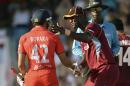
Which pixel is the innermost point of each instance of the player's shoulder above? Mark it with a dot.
(52, 36)
(109, 24)
(55, 37)
(90, 24)
(24, 36)
(128, 35)
(123, 36)
(93, 25)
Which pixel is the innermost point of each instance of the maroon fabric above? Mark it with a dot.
(5, 1)
(124, 67)
(100, 60)
(105, 55)
(107, 76)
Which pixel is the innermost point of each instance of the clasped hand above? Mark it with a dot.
(77, 71)
(57, 29)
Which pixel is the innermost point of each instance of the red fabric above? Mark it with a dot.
(41, 78)
(40, 45)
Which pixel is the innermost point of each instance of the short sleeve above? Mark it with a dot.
(21, 45)
(59, 46)
(76, 46)
(115, 42)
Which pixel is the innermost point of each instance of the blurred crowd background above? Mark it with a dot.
(15, 20)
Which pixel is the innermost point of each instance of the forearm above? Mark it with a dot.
(66, 61)
(82, 37)
(22, 69)
(21, 63)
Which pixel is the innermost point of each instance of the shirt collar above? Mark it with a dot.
(37, 28)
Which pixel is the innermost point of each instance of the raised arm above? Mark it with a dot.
(82, 37)
(77, 69)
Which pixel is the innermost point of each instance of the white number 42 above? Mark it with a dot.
(36, 56)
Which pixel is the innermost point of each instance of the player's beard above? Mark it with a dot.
(76, 26)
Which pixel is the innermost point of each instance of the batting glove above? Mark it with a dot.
(20, 79)
(77, 70)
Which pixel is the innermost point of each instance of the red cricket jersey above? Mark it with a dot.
(124, 60)
(97, 50)
(39, 45)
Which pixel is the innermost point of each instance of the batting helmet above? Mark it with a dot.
(40, 16)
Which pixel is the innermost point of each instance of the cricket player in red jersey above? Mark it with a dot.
(39, 46)
(124, 54)
(98, 54)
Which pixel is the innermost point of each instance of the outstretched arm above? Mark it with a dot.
(65, 61)
(72, 65)
(82, 37)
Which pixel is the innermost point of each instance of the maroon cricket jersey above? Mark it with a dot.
(97, 50)
(124, 60)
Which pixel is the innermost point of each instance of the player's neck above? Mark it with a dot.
(100, 21)
(120, 32)
(45, 25)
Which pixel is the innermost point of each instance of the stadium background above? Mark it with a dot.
(15, 21)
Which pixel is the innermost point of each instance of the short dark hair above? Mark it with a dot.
(119, 24)
(39, 16)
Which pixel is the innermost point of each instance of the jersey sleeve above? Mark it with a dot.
(94, 29)
(59, 46)
(76, 46)
(115, 42)
(21, 48)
